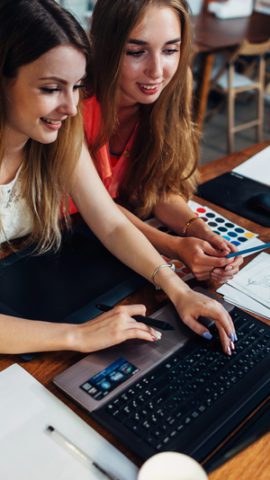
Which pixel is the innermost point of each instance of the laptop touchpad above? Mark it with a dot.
(136, 357)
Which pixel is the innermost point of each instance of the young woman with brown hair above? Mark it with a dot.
(139, 129)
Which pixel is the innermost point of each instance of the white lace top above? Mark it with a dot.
(15, 215)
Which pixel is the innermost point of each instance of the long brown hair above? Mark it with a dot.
(165, 153)
(28, 29)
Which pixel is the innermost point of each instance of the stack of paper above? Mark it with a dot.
(250, 288)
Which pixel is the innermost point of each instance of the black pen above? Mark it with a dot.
(151, 322)
(77, 452)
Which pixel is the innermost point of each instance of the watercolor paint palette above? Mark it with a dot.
(237, 235)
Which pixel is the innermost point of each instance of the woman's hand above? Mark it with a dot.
(192, 305)
(111, 328)
(219, 243)
(207, 259)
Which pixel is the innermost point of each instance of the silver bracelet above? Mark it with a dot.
(157, 269)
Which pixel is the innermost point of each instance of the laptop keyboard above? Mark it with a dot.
(165, 402)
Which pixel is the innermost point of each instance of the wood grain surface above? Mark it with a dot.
(251, 464)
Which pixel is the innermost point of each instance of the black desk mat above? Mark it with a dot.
(234, 192)
(65, 286)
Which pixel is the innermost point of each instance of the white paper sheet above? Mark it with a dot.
(240, 299)
(29, 453)
(237, 293)
(255, 281)
(257, 167)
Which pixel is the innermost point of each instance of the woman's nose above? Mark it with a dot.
(69, 105)
(154, 67)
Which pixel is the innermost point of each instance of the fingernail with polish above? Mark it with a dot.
(157, 335)
(229, 352)
(207, 335)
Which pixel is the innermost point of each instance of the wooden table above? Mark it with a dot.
(252, 463)
(212, 35)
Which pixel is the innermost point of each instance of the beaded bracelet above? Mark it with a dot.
(157, 269)
(188, 223)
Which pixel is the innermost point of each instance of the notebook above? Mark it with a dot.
(28, 452)
(65, 286)
(181, 393)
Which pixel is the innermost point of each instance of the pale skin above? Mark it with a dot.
(151, 58)
(43, 95)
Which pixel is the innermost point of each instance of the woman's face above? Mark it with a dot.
(44, 93)
(151, 57)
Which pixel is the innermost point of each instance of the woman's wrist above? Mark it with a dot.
(188, 224)
(198, 229)
(74, 338)
(171, 284)
(174, 245)
(158, 269)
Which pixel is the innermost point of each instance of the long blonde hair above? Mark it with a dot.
(165, 153)
(36, 27)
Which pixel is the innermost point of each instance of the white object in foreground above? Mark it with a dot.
(171, 466)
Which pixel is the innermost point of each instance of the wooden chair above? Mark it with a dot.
(230, 82)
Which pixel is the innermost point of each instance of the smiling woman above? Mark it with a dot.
(43, 63)
(43, 95)
(151, 59)
(139, 130)
(40, 47)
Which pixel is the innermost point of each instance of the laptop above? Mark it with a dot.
(179, 394)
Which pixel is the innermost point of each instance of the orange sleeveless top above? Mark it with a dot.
(111, 169)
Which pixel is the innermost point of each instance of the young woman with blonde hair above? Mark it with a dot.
(44, 59)
(139, 128)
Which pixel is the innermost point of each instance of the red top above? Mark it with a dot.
(111, 168)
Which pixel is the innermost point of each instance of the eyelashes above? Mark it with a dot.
(139, 53)
(51, 90)
(133, 53)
